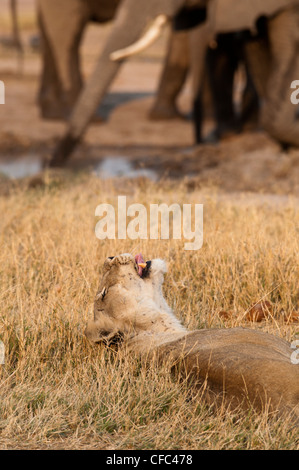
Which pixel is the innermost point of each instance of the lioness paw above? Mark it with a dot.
(124, 258)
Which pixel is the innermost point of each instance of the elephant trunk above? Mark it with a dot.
(131, 19)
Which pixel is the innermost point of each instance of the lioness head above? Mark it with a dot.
(128, 299)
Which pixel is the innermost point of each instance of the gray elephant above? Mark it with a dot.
(222, 61)
(274, 59)
(61, 80)
(62, 25)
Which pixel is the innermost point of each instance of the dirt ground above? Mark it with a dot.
(247, 162)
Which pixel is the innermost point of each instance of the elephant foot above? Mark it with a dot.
(161, 112)
(222, 132)
(211, 138)
(63, 151)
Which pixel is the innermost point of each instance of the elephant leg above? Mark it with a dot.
(222, 64)
(278, 113)
(249, 114)
(258, 59)
(50, 89)
(173, 77)
(63, 25)
(198, 41)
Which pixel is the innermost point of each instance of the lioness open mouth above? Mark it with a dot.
(142, 266)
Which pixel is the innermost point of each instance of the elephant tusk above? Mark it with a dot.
(145, 41)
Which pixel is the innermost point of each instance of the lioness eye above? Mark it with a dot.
(111, 257)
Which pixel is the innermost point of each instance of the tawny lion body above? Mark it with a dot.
(236, 365)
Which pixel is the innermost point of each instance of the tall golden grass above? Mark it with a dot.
(59, 391)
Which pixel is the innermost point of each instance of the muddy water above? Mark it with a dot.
(28, 165)
(116, 166)
(109, 167)
(119, 166)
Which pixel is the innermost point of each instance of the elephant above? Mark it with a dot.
(173, 77)
(273, 60)
(224, 57)
(222, 61)
(62, 25)
(61, 80)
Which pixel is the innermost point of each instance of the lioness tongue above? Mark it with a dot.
(140, 263)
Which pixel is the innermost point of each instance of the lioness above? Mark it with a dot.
(237, 365)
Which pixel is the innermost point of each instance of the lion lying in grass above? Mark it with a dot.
(238, 366)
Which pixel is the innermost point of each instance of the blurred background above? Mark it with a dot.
(124, 140)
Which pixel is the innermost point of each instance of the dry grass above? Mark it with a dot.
(59, 391)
